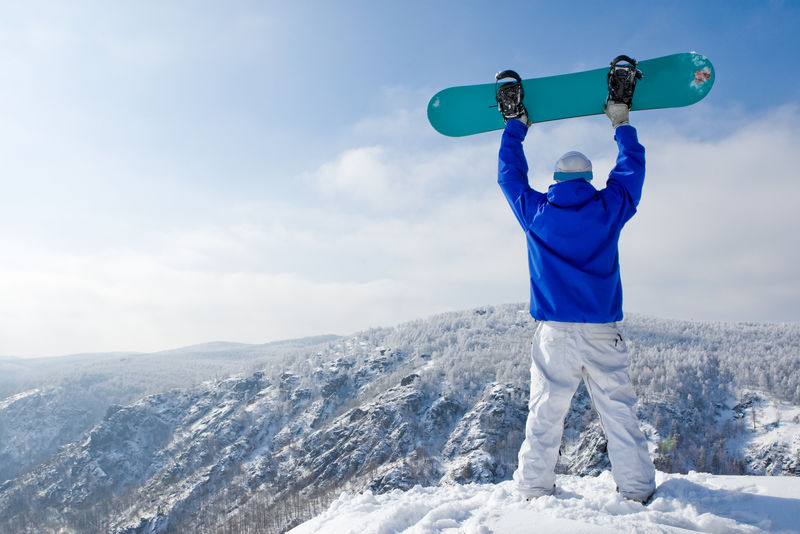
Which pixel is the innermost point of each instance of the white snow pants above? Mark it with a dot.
(562, 354)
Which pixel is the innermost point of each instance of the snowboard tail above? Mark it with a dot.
(671, 81)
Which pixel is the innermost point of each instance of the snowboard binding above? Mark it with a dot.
(510, 95)
(622, 79)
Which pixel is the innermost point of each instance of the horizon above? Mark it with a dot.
(336, 336)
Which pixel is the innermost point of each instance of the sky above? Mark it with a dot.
(173, 173)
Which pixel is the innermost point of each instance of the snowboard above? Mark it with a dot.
(667, 82)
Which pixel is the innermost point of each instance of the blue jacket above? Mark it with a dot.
(573, 231)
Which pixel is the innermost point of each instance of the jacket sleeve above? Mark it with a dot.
(627, 177)
(512, 174)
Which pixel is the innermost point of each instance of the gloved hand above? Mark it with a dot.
(617, 112)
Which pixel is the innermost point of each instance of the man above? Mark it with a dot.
(572, 233)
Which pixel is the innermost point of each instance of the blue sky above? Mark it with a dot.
(180, 172)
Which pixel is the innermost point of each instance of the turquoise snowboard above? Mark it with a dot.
(667, 82)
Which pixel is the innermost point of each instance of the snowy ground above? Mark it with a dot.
(683, 503)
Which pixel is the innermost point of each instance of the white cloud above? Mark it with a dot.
(361, 173)
(716, 233)
(136, 301)
(395, 180)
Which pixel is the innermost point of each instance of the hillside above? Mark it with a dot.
(46, 403)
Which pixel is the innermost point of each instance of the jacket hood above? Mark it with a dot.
(571, 194)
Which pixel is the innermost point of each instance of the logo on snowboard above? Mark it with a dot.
(701, 76)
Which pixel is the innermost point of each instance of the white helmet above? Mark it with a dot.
(571, 166)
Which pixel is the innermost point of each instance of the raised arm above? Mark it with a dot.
(627, 177)
(512, 173)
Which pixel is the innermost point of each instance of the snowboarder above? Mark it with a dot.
(572, 233)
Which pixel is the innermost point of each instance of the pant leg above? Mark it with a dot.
(555, 375)
(613, 396)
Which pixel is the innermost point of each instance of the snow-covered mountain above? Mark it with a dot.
(431, 402)
(49, 402)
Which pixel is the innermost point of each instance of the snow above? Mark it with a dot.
(8, 401)
(770, 435)
(780, 421)
(696, 502)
